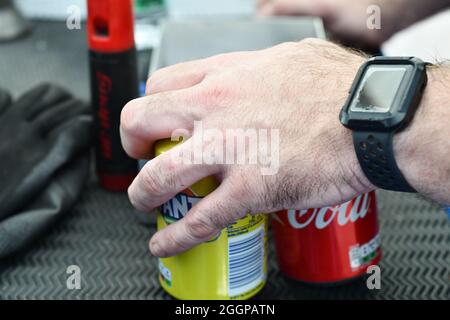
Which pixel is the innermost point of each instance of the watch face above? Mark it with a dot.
(378, 88)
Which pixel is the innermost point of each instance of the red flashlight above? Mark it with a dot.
(114, 82)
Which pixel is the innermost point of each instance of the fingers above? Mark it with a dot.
(59, 114)
(188, 74)
(78, 132)
(205, 220)
(165, 176)
(176, 77)
(39, 99)
(154, 117)
(291, 7)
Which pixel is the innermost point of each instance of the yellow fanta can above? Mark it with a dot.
(232, 265)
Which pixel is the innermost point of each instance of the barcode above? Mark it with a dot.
(245, 261)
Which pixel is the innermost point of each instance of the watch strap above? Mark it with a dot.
(375, 153)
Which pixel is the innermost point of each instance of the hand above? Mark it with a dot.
(347, 19)
(297, 88)
(46, 128)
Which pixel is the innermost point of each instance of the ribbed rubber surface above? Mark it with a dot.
(104, 238)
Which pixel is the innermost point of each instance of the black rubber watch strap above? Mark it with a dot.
(376, 157)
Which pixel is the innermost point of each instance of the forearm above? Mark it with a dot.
(423, 149)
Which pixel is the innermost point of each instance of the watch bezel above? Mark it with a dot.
(405, 104)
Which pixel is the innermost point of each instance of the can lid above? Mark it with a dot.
(165, 145)
(110, 25)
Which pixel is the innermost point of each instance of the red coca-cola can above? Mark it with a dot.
(330, 245)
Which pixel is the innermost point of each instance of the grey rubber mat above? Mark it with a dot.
(104, 238)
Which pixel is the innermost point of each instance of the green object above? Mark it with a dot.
(146, 5)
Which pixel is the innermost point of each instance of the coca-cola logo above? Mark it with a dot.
(321, 218)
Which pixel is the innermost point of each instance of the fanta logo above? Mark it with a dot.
(321, 218)
(177, 207)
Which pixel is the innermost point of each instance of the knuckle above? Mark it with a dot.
(128, 119)
(214, 94)
(152, 182)
(220, 58)
(161, 177)
(200, 227)
(174, 241)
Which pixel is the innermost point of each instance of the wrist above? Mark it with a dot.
(422, 150)
(353, 174)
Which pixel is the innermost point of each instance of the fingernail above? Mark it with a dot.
(155, 249)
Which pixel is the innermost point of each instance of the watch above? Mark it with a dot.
(382, 101)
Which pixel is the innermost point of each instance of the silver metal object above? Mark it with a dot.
(188, 40)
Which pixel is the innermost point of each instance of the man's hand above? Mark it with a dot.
(297, 88)
(347, 19)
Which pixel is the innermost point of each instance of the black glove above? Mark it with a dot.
(46, 135)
